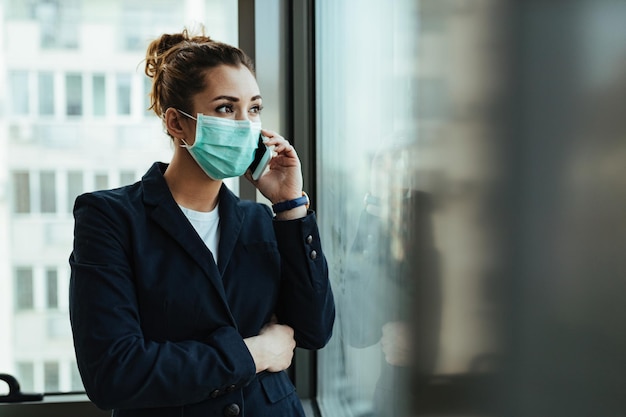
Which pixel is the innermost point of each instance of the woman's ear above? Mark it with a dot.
(175, 125)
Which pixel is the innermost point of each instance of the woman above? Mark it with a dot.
(185, 300)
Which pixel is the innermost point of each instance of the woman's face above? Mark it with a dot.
(231, 93)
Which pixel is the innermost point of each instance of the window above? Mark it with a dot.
(74, 188)
(20, 93)
(48, 191)
(99, 95)
(366, 96)
(25, 295)
(74, 94)
(52, 287)
(58, 22)
(127, 177)
(21, 192)
(51, 376)
(123, 94)
(26, 376)
(46, 94)
(101, 181)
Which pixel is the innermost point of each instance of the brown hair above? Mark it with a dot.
(177, 64)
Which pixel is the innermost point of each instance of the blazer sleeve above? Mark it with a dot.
(306, 300)
(119, 367)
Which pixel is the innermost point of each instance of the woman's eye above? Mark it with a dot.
(256, 109)
(226, 108)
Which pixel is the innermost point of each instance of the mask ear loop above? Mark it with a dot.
(185, 144)
(186, 114)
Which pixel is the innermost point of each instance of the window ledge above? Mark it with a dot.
(70, 405)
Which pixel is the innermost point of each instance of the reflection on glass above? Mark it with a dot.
(472, 192)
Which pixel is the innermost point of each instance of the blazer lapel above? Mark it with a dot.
(231, 222)
(168, 215)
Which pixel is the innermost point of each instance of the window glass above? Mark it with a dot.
(99, 95)
(24, 297)
(127, 177)
(46, 93)
(74, 94)
(79, 64)
(21, 192)
(20, 93)
(74, 187)
(26, 376)
(471, 196)
(51, 376)
(123, 93)
(52, 287)
(101, 181)
(47, 188)
(374, 222)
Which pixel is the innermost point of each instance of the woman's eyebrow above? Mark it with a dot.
(235, 99)
(229, 98)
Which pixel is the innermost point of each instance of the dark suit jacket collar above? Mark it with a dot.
(163, 209)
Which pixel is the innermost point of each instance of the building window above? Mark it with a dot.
(46, 93)
(76, 382)
(127, 177)
(26, 376)
(123, 83)
(21, 192)
(74, 188)
(24, 291)
(52, 287)
(51, 376)
(74, 94)
(47, 190)
(101, 181)
(59, 23)
(20, 93)
(99, 95)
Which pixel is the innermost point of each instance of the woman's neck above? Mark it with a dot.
(189, 185)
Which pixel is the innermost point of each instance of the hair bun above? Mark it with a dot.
(158, 48)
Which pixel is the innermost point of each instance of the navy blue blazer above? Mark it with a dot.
(158, 326)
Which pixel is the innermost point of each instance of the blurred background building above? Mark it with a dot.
(73, 119)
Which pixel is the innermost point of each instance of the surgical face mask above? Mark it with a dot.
(224, 148)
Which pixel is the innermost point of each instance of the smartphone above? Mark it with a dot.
(262, 157)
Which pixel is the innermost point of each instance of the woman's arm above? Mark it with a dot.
(120, 368)
(306, 300)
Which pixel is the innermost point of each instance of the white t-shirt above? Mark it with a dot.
(207, 226)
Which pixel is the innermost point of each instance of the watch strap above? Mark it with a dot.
(291, 204)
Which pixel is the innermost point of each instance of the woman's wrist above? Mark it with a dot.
(293, 208)
(295, 213)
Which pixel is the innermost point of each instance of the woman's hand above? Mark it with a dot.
(272, 349)
(283, 181)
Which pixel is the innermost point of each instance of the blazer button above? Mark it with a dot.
(214, 393)
(232, 410)
(309, 239)
(313, 254)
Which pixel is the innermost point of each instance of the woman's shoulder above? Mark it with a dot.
(111, 199)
